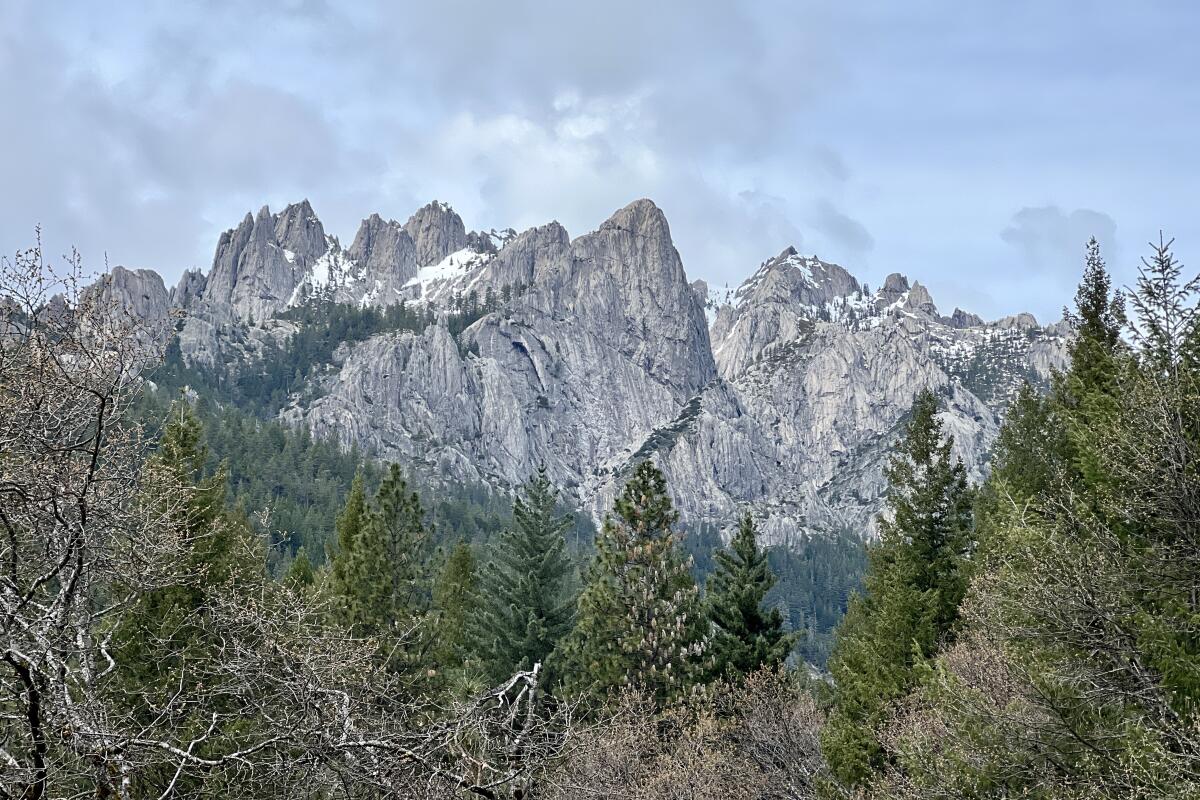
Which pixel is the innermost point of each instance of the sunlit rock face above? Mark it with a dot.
(781, 396)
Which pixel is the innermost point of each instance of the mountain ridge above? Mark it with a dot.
(780, 397)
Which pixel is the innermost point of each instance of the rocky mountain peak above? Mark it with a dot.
(628, 273)
(920, 301)
(189, 289)
(962, 319)
(642, 217)
(141, 292)
(436, 231)
(600, 354)
(798, 279)
(384, 249)
(894, 287)
(258, 265)
(1020, 322)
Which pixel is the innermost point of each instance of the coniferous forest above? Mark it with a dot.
(199, 601)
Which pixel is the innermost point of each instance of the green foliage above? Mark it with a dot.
(455, 600)
(526, 607)
(817, 577)
(745, 636)
(348, 531)
(640, 619)
(167, 624)
(916, 579)
(300, 574)
(299, 480)
(1079, 673)
(166, 641)
(1086, 396)
(380, 573)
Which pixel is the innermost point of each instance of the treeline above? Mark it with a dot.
(293, 484)
(1034, 636)
(1037, 636)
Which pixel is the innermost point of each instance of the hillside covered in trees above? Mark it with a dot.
(197, 601)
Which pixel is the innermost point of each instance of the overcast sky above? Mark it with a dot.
(972, 146)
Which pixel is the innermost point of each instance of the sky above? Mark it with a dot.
(972, 146)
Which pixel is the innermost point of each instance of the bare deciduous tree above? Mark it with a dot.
(751, 740)
(285, 705)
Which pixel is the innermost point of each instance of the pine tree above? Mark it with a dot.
(916, 578)
(219, 547)
(380, 576)
(641, 622)
(455, 599)
(347, 532)
(1080, 675)
(166, 640)
(525, 607)
(745, 637)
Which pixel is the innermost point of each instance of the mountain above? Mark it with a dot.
(781, 397)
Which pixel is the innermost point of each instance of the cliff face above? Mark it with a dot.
(781, 397)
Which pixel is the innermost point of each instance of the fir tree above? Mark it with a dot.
(166, 640)
(380, 574)
(347, 532)
(641, 622)
(1085, 397)
(745, 637)
(217, 546)
(454, 602)
(915, 581)
(525, 608)
(1087, 602)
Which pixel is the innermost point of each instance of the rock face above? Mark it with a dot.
(259, 263)
(140, 292)
(387, 258)
(781, 397)
(606, 344)
(436, 232)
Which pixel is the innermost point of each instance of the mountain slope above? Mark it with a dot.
(588, 354)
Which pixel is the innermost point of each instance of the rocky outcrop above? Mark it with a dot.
(384, 248)
(782, 397)
(781, 302)
(259, 264)
(436, 232)
(385, 260)
(961, 319)
(139, 292)
(189, 290)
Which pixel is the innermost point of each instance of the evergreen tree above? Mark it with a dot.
(217, 546)
(1085, 397)
(300, 575)
(916, 579)
(347, 532)
(525, 607)
(166, 640)
(380, 574)
(455, 599)
(640, 622)
(1080, 674)
(745, 637)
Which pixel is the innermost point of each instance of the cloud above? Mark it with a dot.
(872, 133)
(841, 229)
(1050, 238)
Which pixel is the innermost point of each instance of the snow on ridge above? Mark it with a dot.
(333, 270)
(450, 270)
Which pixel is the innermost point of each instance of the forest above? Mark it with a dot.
(198, 602)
